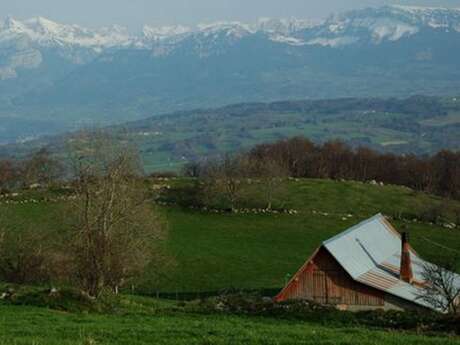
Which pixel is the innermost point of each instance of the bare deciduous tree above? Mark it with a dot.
(7, 174)
(226, 178)
(272, 176)
(115, 231)
(441, 286)
(40, 168)
(192, 169)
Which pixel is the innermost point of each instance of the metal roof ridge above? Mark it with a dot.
(375, 286)
(378, 216)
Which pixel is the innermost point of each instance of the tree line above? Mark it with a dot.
(38, 168)
(301, 158)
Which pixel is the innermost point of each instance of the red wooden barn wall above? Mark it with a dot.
(324, 281)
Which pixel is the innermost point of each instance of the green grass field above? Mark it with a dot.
(149, 321)
(216, 251)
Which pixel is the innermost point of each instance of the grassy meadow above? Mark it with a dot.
(217, 251)
(162, 323)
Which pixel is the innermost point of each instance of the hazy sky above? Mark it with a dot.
(134, 13)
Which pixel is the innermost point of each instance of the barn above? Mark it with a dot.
(369, 266)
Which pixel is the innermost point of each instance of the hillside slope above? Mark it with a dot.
(215, 251)
(421, 125)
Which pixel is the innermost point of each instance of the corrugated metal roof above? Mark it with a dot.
(371, 252)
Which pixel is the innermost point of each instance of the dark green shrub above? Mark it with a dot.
(432, 214)
(69, 300)
(255, 305)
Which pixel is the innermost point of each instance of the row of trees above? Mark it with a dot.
(38, 168)
(299, 157)
(238, 181)
(108, 231)
(255, 178)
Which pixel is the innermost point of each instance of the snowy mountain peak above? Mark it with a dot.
(43, 26)
(422, 9)
(284, 26)
(387, 23)
(234, 29)
(164, 32)
(45, 32)
(230, 28)
(12, 24)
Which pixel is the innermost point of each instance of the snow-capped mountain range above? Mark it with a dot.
(43, 32)
(385, 51)
(390, 22)
(47, 33)
(21, 42)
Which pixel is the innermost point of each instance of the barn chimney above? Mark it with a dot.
(406, 264)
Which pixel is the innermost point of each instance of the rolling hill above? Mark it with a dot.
(421, 125)
(215, 251)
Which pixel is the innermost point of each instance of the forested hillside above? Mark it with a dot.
(419, 125)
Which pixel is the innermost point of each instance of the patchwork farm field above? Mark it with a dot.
(422, 125)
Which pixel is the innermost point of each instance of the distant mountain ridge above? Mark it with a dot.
(389, 22)
(66, 75)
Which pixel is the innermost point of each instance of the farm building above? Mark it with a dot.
(369, 266)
